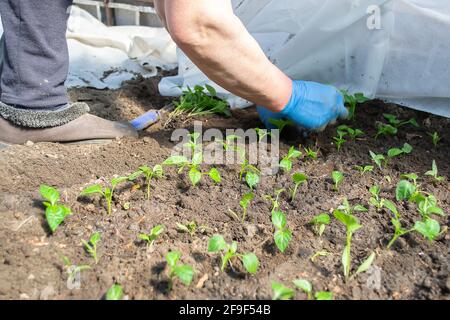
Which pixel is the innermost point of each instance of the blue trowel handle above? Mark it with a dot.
(146, 120)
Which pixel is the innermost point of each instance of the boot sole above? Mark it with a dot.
(4, 145)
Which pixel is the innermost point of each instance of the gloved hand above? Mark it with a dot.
(312, 107)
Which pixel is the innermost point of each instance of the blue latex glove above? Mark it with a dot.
(312, 107)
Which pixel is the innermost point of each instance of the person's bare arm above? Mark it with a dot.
(215, 39)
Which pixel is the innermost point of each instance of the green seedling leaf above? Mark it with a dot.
(195, 176)
(114, 293)
(405, 190)
(278, 219)
(305, 286)
(364, 169)
(352, 225)
(172, 258)
(298, 178)
(320, 221)
(215, 175)
(92, 190)
(311, 153)
(217, 243)
(338, 177)
(324, 295)
(390, 206)
(435, 138)
(434, 172)
(366, 264)
(385, 129)
(429, 228)
(116, 181)
(250, 262)
(286, 162)
(282, 238)
(280, 292)
(252, 179)
(155, 232)
(185, 273)
(281, 123)
(377, 158)
(321, 253)
(91, 246)
(282, 235)
(55, 215)
(175, 161)
(211, 90)
(50, 194)
(360, 208)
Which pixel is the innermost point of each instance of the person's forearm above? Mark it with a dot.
(217, 42)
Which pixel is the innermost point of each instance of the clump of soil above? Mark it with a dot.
(30, 258)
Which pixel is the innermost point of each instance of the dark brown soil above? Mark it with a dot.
(30, 258)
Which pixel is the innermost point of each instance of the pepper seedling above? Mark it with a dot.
(106, 192)
(156, 172)
(282, 235)
(435, 138)
(320, 222)
(324, 296)
(434, 172)
(307, 287)
(55, 213)
(352, 133)
(281, 124)
(385, 129)
(395, 152)
(191, 228)
(199, 101)
(251, 173)
(347, 208)
(364, 169)
(286, 162)
(337, 177)
(244, 203)
(393, 121)
(229, 251)
(298, 178)
(352, 225)
(378, 159)
(428, 206)
(194, 173)
(276, 201)
(375, 200)
(115, 292)
(184, 272)
(281, 292)
(352, 101)
(405, 190)
(73, 271)
(339, 140)
(429, 228)
(321, 253)
(91, 246)
(310, 153)
(151, 237)
(395, 220)
(262, 134)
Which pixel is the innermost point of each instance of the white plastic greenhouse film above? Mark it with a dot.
(397, 50)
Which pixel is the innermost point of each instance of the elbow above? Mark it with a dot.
(194, 31)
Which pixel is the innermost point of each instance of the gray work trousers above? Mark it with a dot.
(35, 54)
